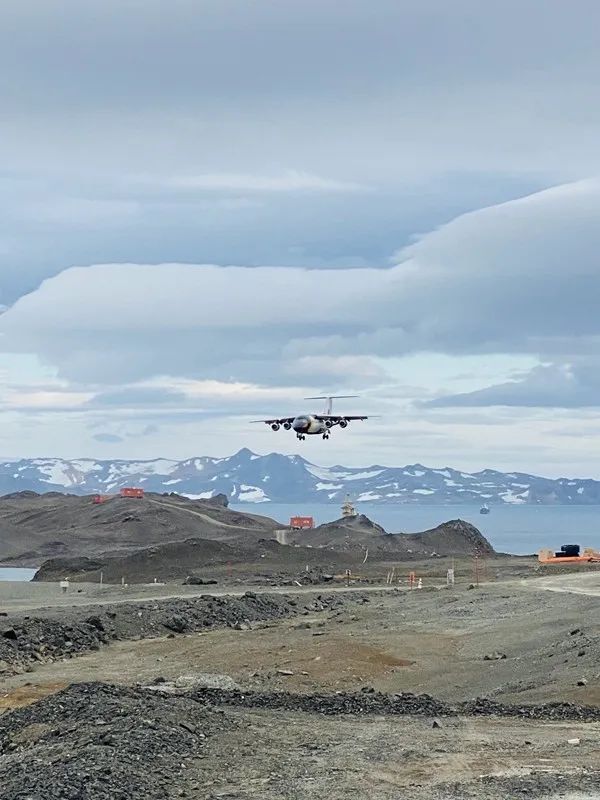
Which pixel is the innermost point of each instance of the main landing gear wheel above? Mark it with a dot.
(325, 436)
(300, 437)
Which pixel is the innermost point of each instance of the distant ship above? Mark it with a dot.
(485, 509)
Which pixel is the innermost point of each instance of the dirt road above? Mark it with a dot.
(193, 512)
(21, 596)
(588, 584)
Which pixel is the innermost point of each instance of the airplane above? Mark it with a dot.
(313, 424)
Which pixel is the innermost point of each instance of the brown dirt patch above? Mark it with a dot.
(26, 695)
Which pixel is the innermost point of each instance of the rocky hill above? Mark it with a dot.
(455, 538)
(332, 547)
(34, 527)
(203, 559)
(249, 478)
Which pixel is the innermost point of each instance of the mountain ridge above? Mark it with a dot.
(246, 477)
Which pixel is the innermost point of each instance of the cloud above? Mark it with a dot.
(185, 399)
(547, 386)
(263, 120)
(41, 399)
(519, 277)
(137, 397)
(79, 212)
(352, 370)
(108, 438)
(289, 181)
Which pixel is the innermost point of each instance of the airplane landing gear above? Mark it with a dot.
(300, 437)
(325, 436)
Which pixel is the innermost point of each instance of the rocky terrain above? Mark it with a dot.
(309, 684)
(104, 742)
(444, 695)
(249, 478)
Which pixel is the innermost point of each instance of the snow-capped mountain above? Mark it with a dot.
(249, 478)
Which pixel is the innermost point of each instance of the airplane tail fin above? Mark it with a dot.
(331, 398)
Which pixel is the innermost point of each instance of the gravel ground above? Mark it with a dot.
(101, 742)
(281, 714)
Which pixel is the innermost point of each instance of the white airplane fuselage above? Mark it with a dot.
(308, 425)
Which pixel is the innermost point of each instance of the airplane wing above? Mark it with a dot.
(337, 417)
(275, 421)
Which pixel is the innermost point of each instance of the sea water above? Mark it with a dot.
(518, 529)
(16, 573)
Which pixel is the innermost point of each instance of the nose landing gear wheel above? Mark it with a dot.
(325, 436)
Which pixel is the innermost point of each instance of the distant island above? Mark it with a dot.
(246, 477)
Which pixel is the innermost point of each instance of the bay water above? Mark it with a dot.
(16, 573)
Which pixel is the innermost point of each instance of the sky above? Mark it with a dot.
(213, 209)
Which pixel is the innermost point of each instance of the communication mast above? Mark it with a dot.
(348, 509)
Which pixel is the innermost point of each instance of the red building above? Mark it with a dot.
(299, 523)
(129, 491)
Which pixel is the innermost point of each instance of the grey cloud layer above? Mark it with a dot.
(184, 49)
(512, 278)
(567, 385)
(314, 138)
(437, 107)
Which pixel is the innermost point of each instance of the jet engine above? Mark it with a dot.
(275, 426)
(287, 425)
(328, 423)
(343, 423)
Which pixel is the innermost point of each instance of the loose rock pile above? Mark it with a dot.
(537, 784)
(101, 742)
(371, 702)
(26, 640)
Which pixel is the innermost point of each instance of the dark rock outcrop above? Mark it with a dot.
(453, 538)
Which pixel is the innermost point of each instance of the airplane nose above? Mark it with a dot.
(299, 424)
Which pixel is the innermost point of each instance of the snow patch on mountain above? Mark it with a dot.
(510, 497)
(252, 494)
(160, 466)
(361, 476)
(367, 497)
